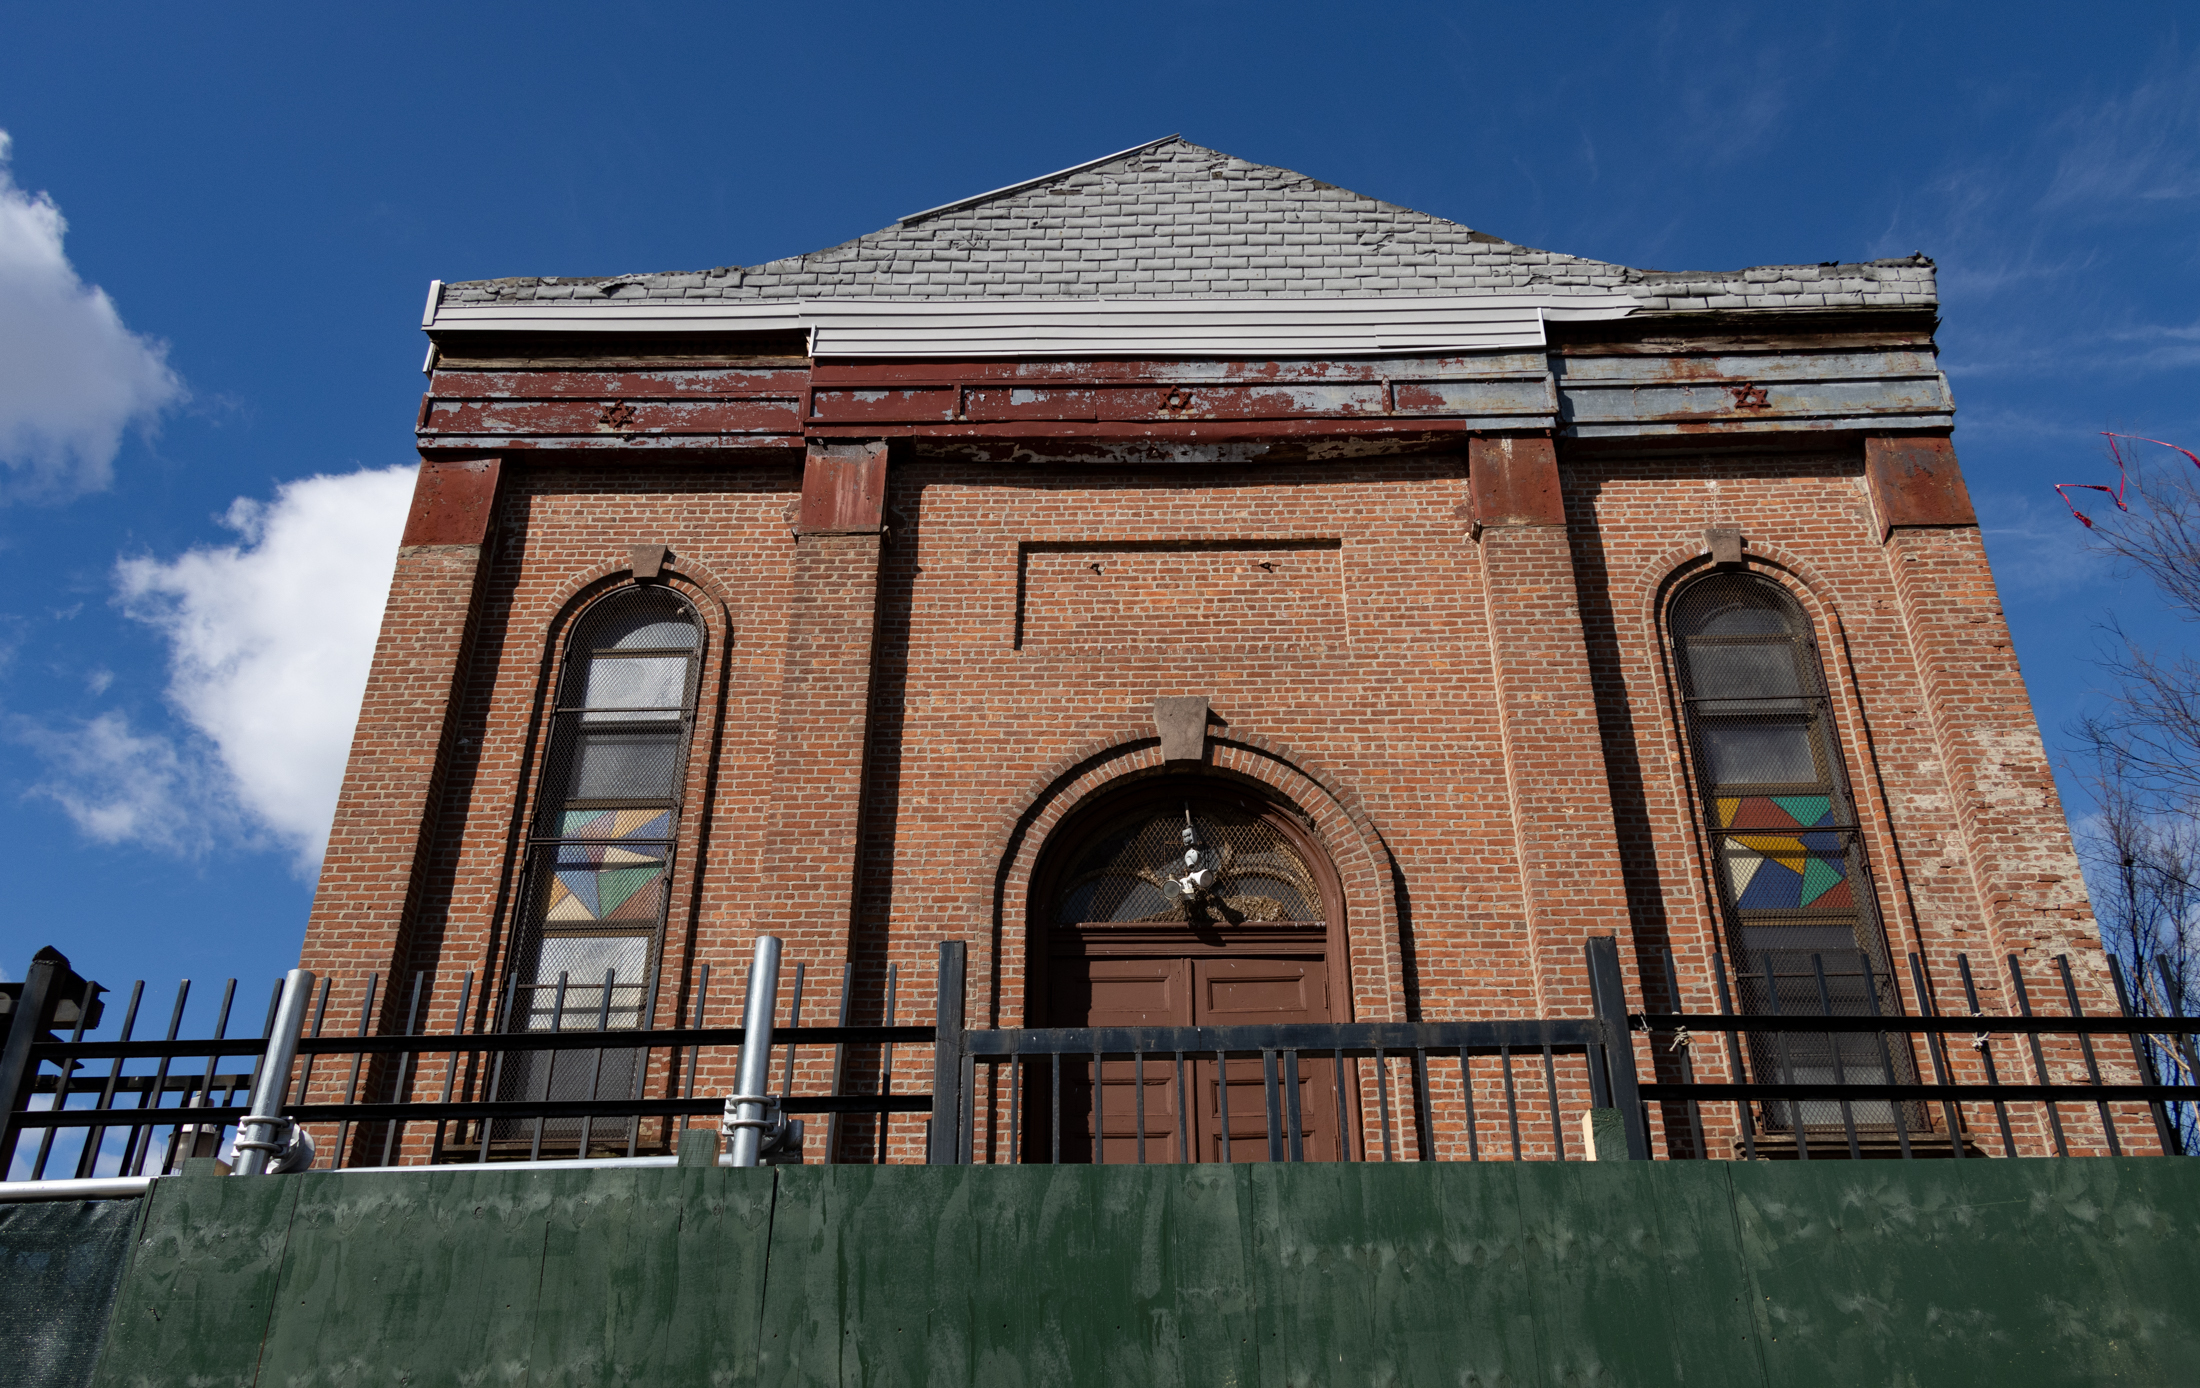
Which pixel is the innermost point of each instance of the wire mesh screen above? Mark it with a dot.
(577, 983)
(1786, 850)
(1133, 867)
(620, 731)
(599, 859)
(585, 983)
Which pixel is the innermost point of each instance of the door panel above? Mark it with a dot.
(1249, 1111)
(1248, 992)
(1116, 993)
(1243, 992)
(1207, 991)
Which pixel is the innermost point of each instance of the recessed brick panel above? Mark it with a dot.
(1190, 597)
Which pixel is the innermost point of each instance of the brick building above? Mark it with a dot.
(1447, 602)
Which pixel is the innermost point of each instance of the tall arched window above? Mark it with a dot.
(1801, 920)
(599, 848)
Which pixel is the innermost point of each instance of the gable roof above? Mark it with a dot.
(1171, 219)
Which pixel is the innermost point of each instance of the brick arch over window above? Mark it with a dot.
(555, 611)
(1334, 815)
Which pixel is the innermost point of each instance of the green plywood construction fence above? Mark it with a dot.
(2031, 1272)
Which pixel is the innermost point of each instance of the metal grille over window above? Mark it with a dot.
(1802, 921)
(1148, 865)
(600, 853)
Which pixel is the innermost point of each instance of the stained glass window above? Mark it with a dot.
(599, 850)
(1801, 922)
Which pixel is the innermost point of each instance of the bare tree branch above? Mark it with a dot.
(2138, 760)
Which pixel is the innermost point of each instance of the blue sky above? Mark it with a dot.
(263, 193)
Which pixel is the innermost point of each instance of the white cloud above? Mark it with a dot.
(119, 785)
(269, 641)
(72, 377)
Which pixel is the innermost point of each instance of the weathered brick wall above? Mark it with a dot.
(1807, 523)
(1481, 729)
(1560, 805)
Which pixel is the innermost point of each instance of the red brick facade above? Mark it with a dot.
(1480, 724)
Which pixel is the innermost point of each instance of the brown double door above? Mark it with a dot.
(1184, 1113)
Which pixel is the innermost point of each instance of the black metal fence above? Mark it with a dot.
(134, 1105)
(1800, 1084)
(1846, 1083)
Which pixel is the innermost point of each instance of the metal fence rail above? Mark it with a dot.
(1001, 1067)
(1035, 1059)
(185, 1093)
(120, 1105)
(1769, 1098)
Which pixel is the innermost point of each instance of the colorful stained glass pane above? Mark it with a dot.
(1807, 810)
(1774, 811)
(626, 891)
(1773, 887)
(1773, 872)
(615, 887)
(1741, 866)
(643, 824)
(580, 888)
(564, 906)
(616, 824)
(1819, 878)
(1783, 849)
(588, 824)
(1759, 812)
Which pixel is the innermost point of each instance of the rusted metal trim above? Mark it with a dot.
(1514, 482)
(453, 501)
(465, 445)
(1206, 431)
(1915, 482)
(843, 489)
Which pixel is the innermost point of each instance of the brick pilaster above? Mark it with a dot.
(2016, 843)
(1565, 842)
(809, 860)
(381, 843)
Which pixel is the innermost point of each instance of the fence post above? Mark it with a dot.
(752, 1080)
(2143, 1052)
(944, 1146)
(257, 1149)
(48, 967)
(1608, 995)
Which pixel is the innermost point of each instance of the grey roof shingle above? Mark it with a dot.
(1172, 219)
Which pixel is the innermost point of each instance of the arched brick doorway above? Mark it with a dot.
(1120, 938)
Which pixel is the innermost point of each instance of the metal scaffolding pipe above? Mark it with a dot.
(751, 1098)
(263, 1133)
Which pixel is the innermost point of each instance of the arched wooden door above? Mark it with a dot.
(1120, 939)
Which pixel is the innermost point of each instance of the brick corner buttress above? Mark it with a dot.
(372, 874)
